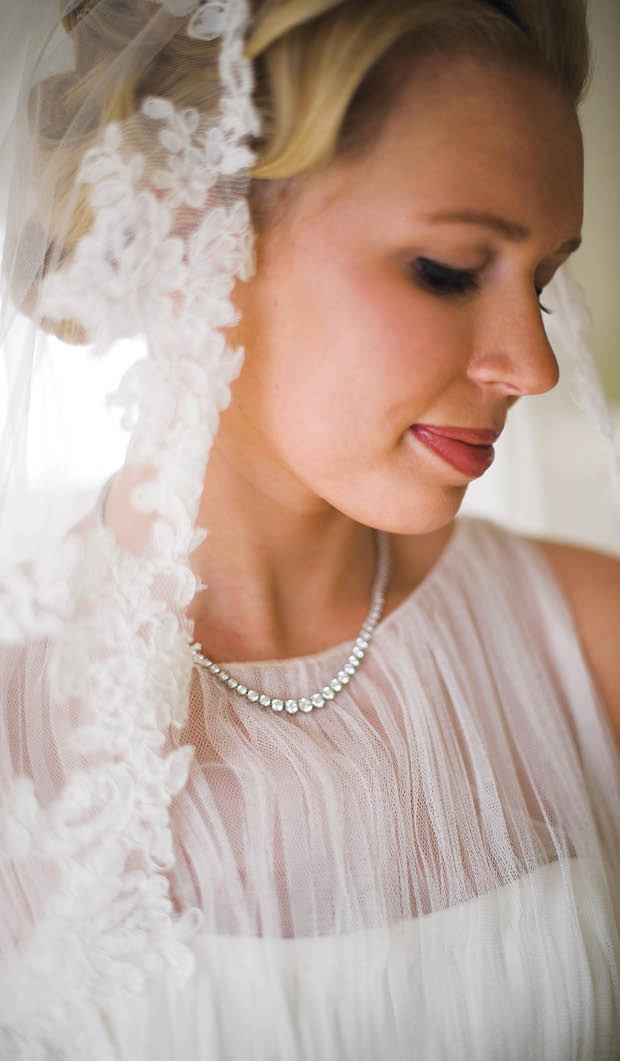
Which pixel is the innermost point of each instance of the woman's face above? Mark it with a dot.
(395, 306)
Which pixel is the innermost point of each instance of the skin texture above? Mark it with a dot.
(591, 583)
(347, 347)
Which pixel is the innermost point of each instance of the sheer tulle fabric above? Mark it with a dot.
(429, 863)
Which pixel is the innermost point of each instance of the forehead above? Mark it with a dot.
(490, 138)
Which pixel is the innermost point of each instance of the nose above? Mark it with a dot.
(512, 350)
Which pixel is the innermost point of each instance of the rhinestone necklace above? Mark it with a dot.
(344, 675)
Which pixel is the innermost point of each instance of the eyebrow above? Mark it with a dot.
(510, 230)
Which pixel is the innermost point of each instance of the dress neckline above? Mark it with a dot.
(423, 587)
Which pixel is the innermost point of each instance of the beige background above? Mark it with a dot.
(597, 263)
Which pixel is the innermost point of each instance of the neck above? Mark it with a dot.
(286, 574)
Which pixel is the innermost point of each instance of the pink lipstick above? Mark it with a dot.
(468, 450)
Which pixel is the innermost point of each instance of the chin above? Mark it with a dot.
(422, 512)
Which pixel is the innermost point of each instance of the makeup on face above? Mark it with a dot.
(468, 450)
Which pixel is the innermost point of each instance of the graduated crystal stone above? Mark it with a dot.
(344, 676)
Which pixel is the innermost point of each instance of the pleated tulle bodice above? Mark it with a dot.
(428, 866)
(462, 757)
(524, 971)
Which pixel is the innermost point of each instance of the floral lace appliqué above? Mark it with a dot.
(170, 236)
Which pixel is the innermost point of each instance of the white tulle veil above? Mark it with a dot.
(122, 242)
(147, 293)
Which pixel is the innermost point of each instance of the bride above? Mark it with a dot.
(338, 778)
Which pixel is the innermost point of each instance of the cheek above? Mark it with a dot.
(340, 347)
(392, 346)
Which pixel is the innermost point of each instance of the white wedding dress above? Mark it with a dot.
(425, 868)
(428, 867)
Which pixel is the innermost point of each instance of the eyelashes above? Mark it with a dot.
(539, 292)
(442, 279)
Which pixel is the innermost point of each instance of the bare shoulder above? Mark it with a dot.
(591, 584)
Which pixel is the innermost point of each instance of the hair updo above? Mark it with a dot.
(326, 70)
(326, 74)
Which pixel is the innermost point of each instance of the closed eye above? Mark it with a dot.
(442, 279)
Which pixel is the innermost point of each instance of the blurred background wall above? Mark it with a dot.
(597, 263)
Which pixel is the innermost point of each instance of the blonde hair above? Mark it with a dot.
(326, 72)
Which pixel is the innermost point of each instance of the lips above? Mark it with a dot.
(468, 450)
